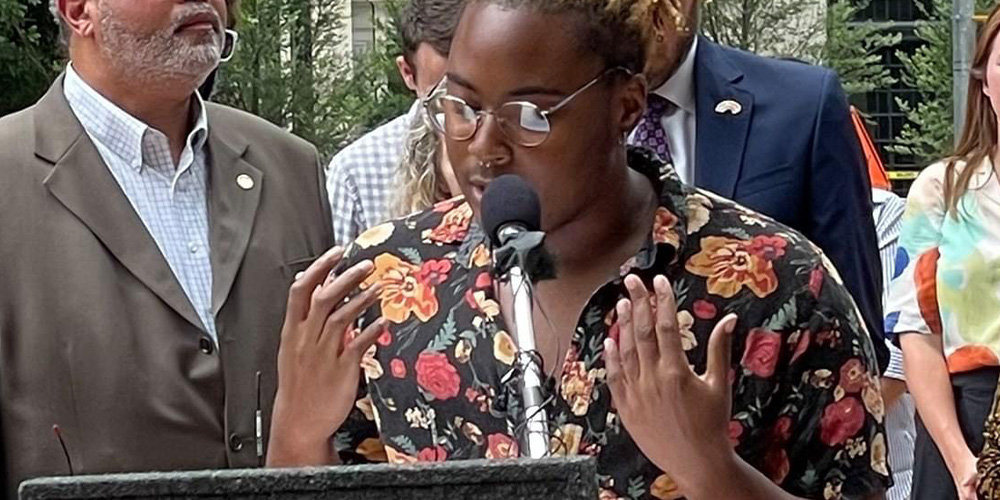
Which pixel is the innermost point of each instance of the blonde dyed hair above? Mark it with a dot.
(420, 183)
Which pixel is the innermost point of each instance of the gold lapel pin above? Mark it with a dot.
(245, 182)
(728, 106)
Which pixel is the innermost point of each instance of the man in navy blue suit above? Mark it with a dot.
(775, 136)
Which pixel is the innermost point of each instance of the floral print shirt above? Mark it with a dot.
(948, 268)
(440, 384)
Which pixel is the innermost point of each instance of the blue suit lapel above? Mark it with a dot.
(720, 137)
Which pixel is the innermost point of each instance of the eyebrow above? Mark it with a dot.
(520, 92)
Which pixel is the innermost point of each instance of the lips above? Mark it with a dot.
(202, 20)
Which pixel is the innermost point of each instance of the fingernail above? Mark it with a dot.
(299, 275)
(660, 283)
(623, 310)
(732, 319)
(333, 252)
(609, 345)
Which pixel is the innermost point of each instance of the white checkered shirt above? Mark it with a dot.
(362, 177)
(170, 199)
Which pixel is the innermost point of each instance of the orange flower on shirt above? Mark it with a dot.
(453, 227)
(407, 288)
(731, 264)
(665, 488)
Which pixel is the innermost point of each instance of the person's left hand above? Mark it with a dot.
(678, 419)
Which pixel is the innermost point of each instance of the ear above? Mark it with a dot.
(80, 16)
(658, 18)
(632, 99)
(408, 73)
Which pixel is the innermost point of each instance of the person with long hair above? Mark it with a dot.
(425, 174)
(945, 300)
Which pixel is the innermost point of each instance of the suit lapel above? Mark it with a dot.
(83, 184)
(721, 137)
(234, 196)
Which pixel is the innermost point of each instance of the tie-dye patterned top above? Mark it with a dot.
(948, 268)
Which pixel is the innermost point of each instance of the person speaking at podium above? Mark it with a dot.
(698, 349)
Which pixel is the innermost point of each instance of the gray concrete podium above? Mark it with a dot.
(524, 479)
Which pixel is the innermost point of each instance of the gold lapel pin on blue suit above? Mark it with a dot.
(729, 106)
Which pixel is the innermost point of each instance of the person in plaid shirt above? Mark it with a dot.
(362, 177)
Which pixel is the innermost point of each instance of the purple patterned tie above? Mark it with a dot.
(650, 133)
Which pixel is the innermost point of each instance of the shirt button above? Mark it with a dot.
(194, 247)
(235, 442)
(206, 345)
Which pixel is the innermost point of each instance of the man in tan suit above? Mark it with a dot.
(147, 243)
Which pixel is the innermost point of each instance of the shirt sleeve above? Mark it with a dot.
(830, 425)
(345, 201)
(912, 305)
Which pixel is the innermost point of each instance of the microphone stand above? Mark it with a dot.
(536, 420)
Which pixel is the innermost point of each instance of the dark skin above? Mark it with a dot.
(674, 24)
(591, 200)
(597, 213)
(579, 171)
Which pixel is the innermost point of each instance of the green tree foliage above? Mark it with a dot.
(928, 133)
(293, 68)
(29, 52)
(772, 27)
(854, 48)
(795, 28)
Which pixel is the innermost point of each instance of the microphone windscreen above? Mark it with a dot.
(510, 199)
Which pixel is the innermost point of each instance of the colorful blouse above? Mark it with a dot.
(441, 383)
(948, 268)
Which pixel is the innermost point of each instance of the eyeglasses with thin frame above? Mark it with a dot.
(523, 122)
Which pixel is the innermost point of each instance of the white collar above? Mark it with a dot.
(679, 88)
(115, 128)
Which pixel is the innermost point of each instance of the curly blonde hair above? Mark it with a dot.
(420, 183)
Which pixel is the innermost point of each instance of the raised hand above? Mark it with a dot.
(677, 418)
(319, 360)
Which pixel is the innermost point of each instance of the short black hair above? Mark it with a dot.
(617, 31)
(429, 21)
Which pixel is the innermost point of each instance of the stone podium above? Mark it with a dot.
(524, 479)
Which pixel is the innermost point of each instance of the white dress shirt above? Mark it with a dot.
(170, 199)
(680, 124)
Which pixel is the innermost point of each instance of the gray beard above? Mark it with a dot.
(162, 57)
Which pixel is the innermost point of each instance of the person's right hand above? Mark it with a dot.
(318, 363)
(966, 477)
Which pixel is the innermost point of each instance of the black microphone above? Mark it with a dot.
(512, 215)
(510, 207)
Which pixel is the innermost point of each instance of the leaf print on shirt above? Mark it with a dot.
(730, 265)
